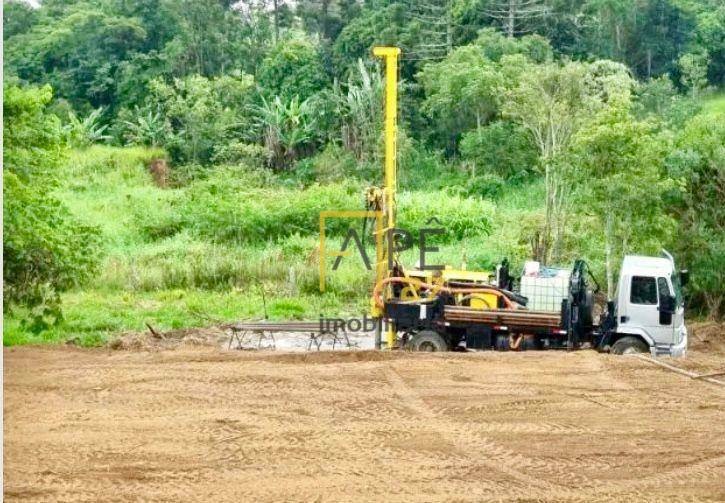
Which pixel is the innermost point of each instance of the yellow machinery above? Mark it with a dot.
(480, 300)
(384, 201)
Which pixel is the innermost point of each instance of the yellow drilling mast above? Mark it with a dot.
(383, 201)
(386, 199)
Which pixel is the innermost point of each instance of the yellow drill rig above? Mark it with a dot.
(393, 283)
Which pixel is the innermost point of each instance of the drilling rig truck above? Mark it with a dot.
(449, 310)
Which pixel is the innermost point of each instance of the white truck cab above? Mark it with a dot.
(649, 310)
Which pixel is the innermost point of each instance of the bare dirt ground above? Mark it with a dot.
(199, 423)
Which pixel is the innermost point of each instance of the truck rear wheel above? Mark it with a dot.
(629, 345)
(427, 340)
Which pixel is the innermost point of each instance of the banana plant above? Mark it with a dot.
(358, 106)
(150, 128)
(83, 132)
(287, 129)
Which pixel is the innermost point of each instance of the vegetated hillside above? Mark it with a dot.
(591, 131)
(242, 243)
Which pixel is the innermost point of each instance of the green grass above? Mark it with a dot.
(91, 316)
(714, 103)
(107, 187)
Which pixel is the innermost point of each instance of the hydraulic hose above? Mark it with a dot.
(435, 289)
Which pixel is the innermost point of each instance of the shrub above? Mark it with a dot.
(82, 132)
(357, 105)
(45, 250)
(226, 209)
(239, 152)
(201, 112)
(698, 162)
(144, 127)
(333, 164)
(460, 217)
(287, 129)
(420, 168)
(488, 185)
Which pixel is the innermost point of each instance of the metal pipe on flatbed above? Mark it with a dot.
(502, 317)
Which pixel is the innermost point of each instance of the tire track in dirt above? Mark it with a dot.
(687, 474)
(483, 450)
(655, 395)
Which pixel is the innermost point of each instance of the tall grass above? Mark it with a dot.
(714, 103)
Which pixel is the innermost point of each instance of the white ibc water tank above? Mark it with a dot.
(546, 291)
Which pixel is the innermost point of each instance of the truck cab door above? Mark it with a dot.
(649, 308)
(671, 314)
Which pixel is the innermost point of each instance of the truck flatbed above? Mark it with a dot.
(505, 317)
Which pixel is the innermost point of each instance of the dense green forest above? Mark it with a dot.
(165, 161)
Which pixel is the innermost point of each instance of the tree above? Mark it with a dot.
(45, 250)
(656, 35)
(693, 72)
(78, 54)
(619, 161)
(146, 127)
(502, 148)
(698, 158)
(202, 113)
(326, 17)
(279, 11)
(548, 103)
(292, 68)
(710, 38)
(357, 105)
(286, 129)
(432, 21)
(466, 89)
(495, 46)
(209, 41)
(552, 101)
(610, 24)
(382, 25)
(462, 92)
(18, 17)
(647, 35)
(516, 16)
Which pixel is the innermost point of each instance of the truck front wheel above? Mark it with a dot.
(427, 340)
(629, 345)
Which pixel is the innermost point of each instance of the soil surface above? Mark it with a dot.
(201, 423)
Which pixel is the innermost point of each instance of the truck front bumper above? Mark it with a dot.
(678, 350)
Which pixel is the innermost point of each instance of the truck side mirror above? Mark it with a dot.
(684, 277)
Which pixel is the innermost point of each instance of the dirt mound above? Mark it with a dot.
(159, 170)
(707, 336)
(172, 339)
